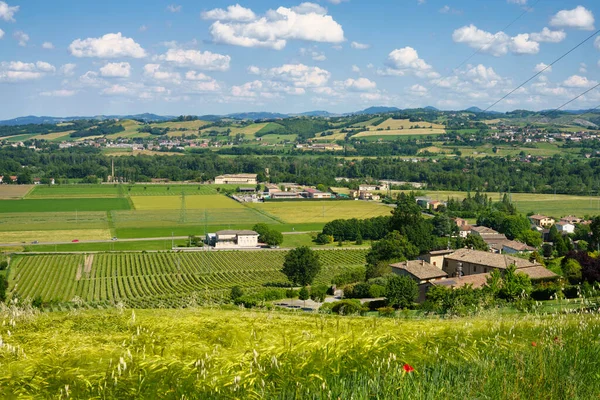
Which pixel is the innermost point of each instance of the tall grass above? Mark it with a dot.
(227, 354)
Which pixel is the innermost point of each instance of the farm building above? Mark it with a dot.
(541, 221)
(236, 179)
(317, 194)
(421, 272)
(231, 239)
(472, 262)
(514, 247)
(371, 188)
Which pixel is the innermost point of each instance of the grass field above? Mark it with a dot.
(232, 354)
(62, 205)
(54, 137)
(320, 211)
(75, 191)
(55, 235)
(141, 245)
(142, 280)
(548, 204)
(53, 221)
(405, 124)
(209, 202)
(175, 189)
(14, 191)
(401, 132)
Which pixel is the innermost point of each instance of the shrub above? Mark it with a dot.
(3, 265)
(236, 293)
(349, 276)
(386, 312)
(324, 239)
(376, 304)
(348, 307)
(318, 293)
(401, 291)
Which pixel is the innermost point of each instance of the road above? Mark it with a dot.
(119, 240)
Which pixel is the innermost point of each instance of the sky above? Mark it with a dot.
(86, 58)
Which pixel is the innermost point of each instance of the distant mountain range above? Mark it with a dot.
(31, 119)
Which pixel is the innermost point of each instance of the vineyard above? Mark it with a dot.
(158, 279)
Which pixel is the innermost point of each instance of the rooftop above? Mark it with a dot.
(538, 217)
(420, 269)
(484, 230)
(487, 259)
(234, 232)
(238, 176)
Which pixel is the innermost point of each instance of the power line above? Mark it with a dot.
(543, 70)
(575, 98)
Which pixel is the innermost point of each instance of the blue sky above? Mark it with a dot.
(68, 57)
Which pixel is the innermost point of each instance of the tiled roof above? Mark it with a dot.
(420, 269)
(487, 259)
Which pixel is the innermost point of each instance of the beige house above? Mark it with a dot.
(236, 179)
(541, 221)
(436, 258)
(231, 239)
(473, 262)
(421, 272)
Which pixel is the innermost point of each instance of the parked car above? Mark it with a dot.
(35, 242)
(113, 239)
(75, 241)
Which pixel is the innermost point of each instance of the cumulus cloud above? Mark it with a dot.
(357, 85)
(577, 18)
(21, 37)
(68, 69)
(449, 10)
(418, 90)
(497, 44)
(550, 36)
(232, 13)
(355, 68)
(359, 46)
(59, 93)
(117, 90)
(47, 45)
(7, 13)
(577, 81)
(92, 79)
(315, 55)
(116, 70)
(297, 75)
(18, 71)
(277, 27)
(542, 67)
(406, 61)
(111, 45)
(197, 59)
(197, 76)
(174, 8)
(156, 72)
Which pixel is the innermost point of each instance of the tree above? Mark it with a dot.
(401, 291)
(514, 225)
(444, 226)
(3, 287)
(562, 246)
(475, 242)
(301, 266)
(359, 239)
(236, 293)
(408, 220)
(571, 270)
(324, 239)
(532, 238)
(273, 238)
(553, 235)
(515, 284)
(595, 230)
(303, 294)
(318, 293)
(381, 268)
(393, 248)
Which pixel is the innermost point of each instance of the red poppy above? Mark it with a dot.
(408, 368)
(534, 344)
(556, 339)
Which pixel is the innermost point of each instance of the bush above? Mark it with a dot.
(349, 276)
(348, 307)
(260, 297)
(401, 291)
(324, 239)
(3, 265)
(236, 293)
(386, 312)
(376, 304)
(318, 293)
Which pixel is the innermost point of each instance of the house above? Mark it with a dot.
(491, 237)
(236, 179)
(436, 258)
(272, 188)
(571, 219)
(423, 202)
(565, 227)
(514, 247)
(433, 205)
(383, 187)
(471, 262)
(231, 239)
(284, 195)
(14, 179)
(541, 220)
(421, 272)
(316, 194)
(535, 273)
(1, 178)
(365, 195)
(461, 222)
(464, 231)
(37, 181)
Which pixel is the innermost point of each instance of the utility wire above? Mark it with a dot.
(542, 71)
(575, 98)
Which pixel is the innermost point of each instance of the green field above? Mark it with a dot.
(75, 191)
(62, 205)
(176, 190)
(139, 245)
(232, 354)
(148, 280)
(208, 202)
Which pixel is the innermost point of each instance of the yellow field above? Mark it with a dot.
(401, 132)
(191, 202)
(322, 211)
(397, 124)
(14, 191)
(187, 125)
(53, 136)
(492, 121)
(131, 130)
(54, 236)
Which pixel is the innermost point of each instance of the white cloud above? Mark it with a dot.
(550, 36)
(355, 68)
(7, 12)
(155, 71)
(197, 59)
(315, 55)
(209, 86)
(59, 93)
(542, 67)
(520, 2)
(197, 76)
(92, 79)
(406, 61)
(174, 8)
(233, 13)
(449, 10)
(278, 26)
(578, 18)
(47, 45)
(21, 37)
(577, 81)
(482, 76)
(583, 68)
(418, 90)
(17, 71)
(111, 45)
(117, 90)
(358, 85)
(360, 46)
(337, 1)
(143, 28)
(116, 70)
(497, 44)
(597, 43)
(1, 33)
(248, 89)
(298, 75)
(307, 8)
(68, 69)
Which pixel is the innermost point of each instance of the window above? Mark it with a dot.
(474, 268)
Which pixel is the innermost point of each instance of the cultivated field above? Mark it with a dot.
(14, 191)
(75, 191)
(210, 202)
(401, 132)
(62, 205)
(321, 211)
(175, 189)
(226, 354)
(148, 280)
(402, 124)
(56, 235)
(53, 221)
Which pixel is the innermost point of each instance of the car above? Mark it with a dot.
(75, 241)
(35, 242)
(114, 239)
